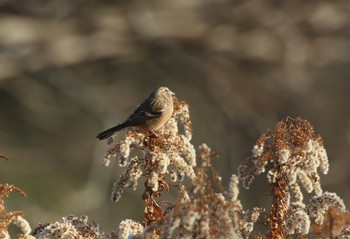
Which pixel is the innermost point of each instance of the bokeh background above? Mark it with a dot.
(69, 69)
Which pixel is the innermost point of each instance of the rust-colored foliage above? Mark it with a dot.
(334, 221)
(178, 104)
(7, 217)
(153, 211)
(296, 155)
(288, 133)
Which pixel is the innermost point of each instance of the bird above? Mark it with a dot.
(150, 115)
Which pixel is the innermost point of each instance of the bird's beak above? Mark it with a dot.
(172, 93)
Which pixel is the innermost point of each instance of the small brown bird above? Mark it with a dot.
(149, 116)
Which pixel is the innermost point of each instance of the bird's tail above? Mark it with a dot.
(109, 132)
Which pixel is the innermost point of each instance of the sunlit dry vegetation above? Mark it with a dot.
(291, 156)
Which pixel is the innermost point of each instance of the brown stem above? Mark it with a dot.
(279, 207)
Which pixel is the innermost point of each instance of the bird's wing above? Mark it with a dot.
(142, 113)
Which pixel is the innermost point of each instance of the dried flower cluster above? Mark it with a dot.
(71, 227)
(296, 153)
(128, 228)
(345, 233)
(250, 217)
(335, 222)
(16, 217)
(200, 212)
(170, 154)
(319, 205)
(293, 148)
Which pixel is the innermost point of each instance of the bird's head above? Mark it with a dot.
(164, 92)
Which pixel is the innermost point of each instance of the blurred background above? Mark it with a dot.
(72, 68)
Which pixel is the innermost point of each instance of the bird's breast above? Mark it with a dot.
(156, 123)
